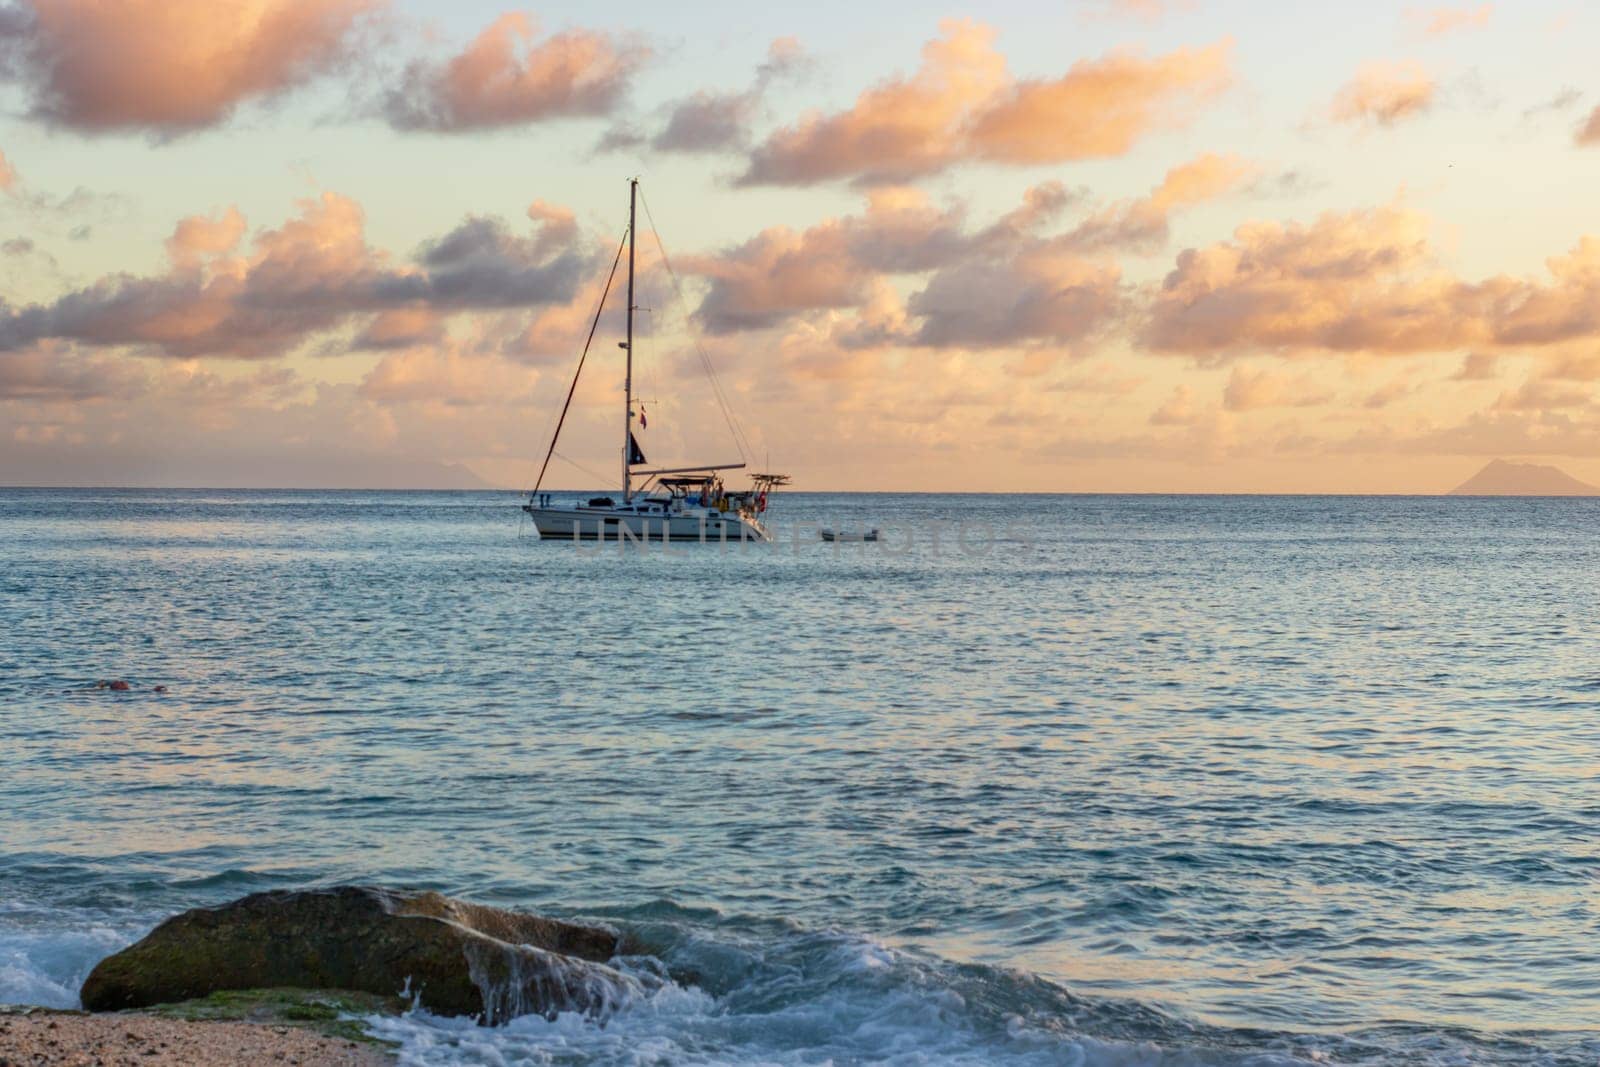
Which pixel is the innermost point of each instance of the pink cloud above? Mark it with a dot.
(1383, 94)
(782, 272)
(963, 105)
(173, 66)
(1364, 281)
(506, 77)
(53, 373)
(200, 237)
(1001, 285)
(8, 175)
(1588, 134)
(313, 274)
(403, 327)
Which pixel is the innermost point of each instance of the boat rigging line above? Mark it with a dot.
(740, 441)
(573, 388)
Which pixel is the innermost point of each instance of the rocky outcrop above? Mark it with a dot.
(453, 957)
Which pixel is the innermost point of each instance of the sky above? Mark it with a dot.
(1089, 245)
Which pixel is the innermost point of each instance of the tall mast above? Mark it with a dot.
(627, 381)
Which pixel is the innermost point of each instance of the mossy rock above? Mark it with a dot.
(325, 1011)
(453, 957)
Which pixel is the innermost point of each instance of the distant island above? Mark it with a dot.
(1502, 478)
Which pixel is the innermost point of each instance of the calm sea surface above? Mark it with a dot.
(1040, 780)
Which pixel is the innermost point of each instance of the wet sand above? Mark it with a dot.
(115, 1040)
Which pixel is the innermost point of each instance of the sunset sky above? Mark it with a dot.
(1143, 245)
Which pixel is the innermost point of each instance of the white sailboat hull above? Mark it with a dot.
(600, 524)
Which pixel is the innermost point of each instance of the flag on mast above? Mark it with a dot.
(635, 453)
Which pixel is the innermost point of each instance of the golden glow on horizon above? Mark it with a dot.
(1158, 262)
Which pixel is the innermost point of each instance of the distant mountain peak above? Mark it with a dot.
(1503, 478)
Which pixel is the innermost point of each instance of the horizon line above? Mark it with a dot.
(808, 492)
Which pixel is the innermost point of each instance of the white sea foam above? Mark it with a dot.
(866, 1022)
(47, 967)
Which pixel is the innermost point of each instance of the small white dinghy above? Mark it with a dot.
(848, 535)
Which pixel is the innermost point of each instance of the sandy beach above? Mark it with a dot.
(118, 1040)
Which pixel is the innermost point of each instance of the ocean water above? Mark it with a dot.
(1078, 780)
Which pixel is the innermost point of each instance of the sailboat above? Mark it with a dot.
(673, 504)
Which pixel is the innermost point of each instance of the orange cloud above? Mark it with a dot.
(1567, 310)
(961, 104)
(1363, 281)
(1098, 108)
(505, 77)
(8, 175)
(173, 66)
(1360, 281)
(310, 275)
(1141, 224)
(1001, 285)
(199, 237)
(1384, 93)
(1178, 409)
(780, 272)
(1442, 20)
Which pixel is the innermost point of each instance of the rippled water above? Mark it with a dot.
(1039, 780)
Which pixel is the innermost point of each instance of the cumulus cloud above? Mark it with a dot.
(963, 105)
(1099, 108)
(307, 276)
(1566, 309)
(200, 237)
(1142, 224)
(169, 66)
(713, 120)
(1003, 284)
(1363, 281)
(781, 272)
(707, 122)
(508, 77)
(1346, 282)
(710, 122)
(1383, 94)
(1038, 295)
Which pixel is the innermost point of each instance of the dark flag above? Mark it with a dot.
(635, 454)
